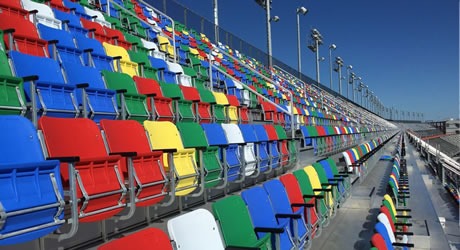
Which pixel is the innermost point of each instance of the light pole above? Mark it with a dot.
(300, 11)
(355, 96)
(266, 5)
(331, 48)
(216, 20)
(317, 40)
(350, 80)
(339, 64)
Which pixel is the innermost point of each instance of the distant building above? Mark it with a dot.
(453, 126)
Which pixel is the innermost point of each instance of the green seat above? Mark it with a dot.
(193, 137)
(141, 58)
(307, 192)
(183, 108)
(335, 171)
(328, 184)
(235, 223)
(136, 42)
(135, 104)
(11, 89)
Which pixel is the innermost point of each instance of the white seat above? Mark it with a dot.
(385, 221)
(347, 161)
(44, 15)
(234, 136)
(195, 230)
(99, 17)
(154, 51)
(181, 78)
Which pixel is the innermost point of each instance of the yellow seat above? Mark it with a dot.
(166, 47)
(316, 184)
(194, 51)
(127, 66)
(164, 135)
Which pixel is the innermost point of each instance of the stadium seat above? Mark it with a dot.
(50, 95)
(21, 35)
(273, 145)
(204, 236)
(299, 203)
(284, 213)
(248, 159)
(100, 102)
(263, 216)
(237, 228)
(32, 197)
(165, 136)
(122, 62)
(142, 240)
(91, 175)
(193, 136)
(13, 8)
(162, 106)
(262, 150)
(142, 167)
(129, 99)
(42, 13)
(328, 189)
(229, 153)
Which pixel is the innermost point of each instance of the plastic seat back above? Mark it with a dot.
(53, 95)
(28, 182)
(127, 66)
(44, 14)
(163, 136)
(263, 215)
(204, 236)
(129, 136)
(193, 136)
(235, 223)
(100, 187)
(142, 240)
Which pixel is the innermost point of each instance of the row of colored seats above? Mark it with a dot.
(194, 157)
(284, 213)
(356, 157)
(392, 228)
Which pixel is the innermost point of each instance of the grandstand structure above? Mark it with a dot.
(123, 128)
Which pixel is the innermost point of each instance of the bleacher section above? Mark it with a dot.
(114, 116)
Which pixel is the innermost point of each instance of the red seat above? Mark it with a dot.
(13, 8)
(378, 242)
(105, 34)
(129, 136)
(163, 105)
(295, 197)
(268, 110)
(57, 4)
(271, 132)
(25, 35)
(100, 185)
(147, 239)
(190, 93)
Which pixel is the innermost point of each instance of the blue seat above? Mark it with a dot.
(262, 147)
(93, 53)
(54, 97)
(307, 141)
(215, 136)
(251, 139)
(263, 216)
(282, 207)
(27, 181)
(113, 8)
(72, 22)
(100, 101)
(76, 8)
(164, 74)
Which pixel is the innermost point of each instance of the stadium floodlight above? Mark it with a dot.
(300, 11)
(315, 42)
(274, 19)
(331, 48)
(350, 80)
(339, 64)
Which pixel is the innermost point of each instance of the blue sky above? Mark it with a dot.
(407, 52)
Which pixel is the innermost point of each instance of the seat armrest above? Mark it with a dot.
(30, 78)
(269, 230)
(82, 85)
(124, 154)
(398, 244)
(167, 150)
(291, 216)
(313, 196)
(66, 159)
